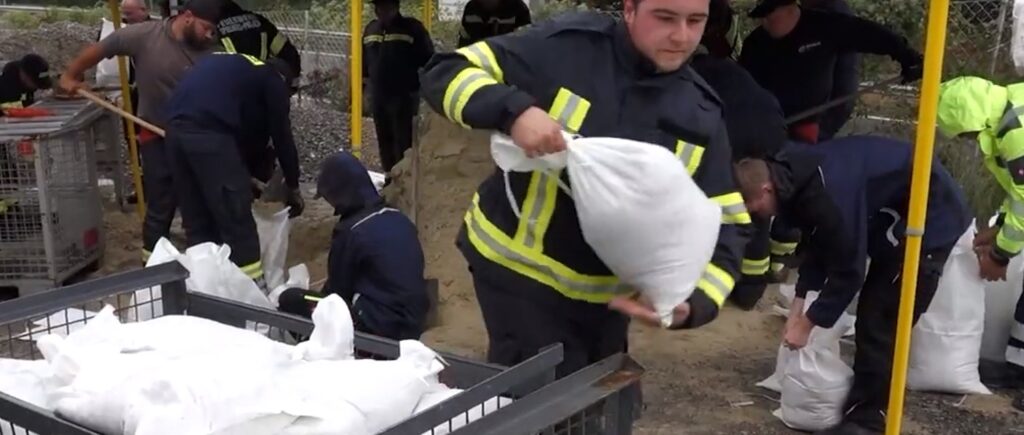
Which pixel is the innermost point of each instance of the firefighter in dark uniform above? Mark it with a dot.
(247, 32)
(20, 80)
(845, 79)
(395, 48)
(206, 118)
(849, 198)
(756, 129)
(793, 54)
(486, 18)
(536, 279)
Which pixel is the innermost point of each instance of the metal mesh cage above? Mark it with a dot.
(51, 220)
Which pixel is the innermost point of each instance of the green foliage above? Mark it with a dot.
(32, 20)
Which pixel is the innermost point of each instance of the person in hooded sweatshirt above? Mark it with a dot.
(376, 261)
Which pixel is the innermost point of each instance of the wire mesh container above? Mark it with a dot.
(62, 311)
(51, 218)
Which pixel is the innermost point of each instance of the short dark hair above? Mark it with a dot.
(751, 174)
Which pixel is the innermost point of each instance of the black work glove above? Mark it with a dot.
(912, 67)
(295, 201)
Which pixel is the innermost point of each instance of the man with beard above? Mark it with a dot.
(163, 51)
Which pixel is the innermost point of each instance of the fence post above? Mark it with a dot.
(999, 38)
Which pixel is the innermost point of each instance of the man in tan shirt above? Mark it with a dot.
(162, 52)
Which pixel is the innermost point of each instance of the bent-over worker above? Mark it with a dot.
(483, 19)
(376, 261)
(537, 280)
(20, 80)
(395, 47)
(849, 198)
(793, 54)
(162, 52)
(207, 113)
(975, 108)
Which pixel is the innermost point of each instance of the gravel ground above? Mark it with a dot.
(57, 42)
(320, 129)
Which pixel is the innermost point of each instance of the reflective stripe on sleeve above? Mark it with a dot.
(278, 43)
(690, 155)
(782, 248)
(480, 55)
(734, 211)
(716, 284)
(755, 267)
(263, 45)
(253, 270)
(459, 91)
(569, 110)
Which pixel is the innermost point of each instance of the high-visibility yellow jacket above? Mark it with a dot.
(584, 70)
(975, 105)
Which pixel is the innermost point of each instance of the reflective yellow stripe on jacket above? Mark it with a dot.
(484, 72)
(524, 251)
(756, 266)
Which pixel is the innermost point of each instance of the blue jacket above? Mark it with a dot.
(376, 261)
(229, 94)
(862, 210)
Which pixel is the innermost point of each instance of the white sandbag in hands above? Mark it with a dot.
(816, 381)
(638, 209)
(946, 343)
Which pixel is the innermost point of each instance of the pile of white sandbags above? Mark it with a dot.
(187, 375)
(638, 209)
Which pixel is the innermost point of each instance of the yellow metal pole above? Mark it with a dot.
(355, 71)
(126, 103)
(428, 14)
(935, 43)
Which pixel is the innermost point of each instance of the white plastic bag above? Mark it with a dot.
(947, 338)
(357, 396)
(298, 277)
(273, 231)
(816, 380)
(440, 393)
(30, 381)
(1000, 302)
(1017, 42)
(107, 73)
(638, 209)
(332, 338)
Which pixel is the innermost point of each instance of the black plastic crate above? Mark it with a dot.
(481, 381)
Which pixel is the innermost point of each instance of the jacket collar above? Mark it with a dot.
(631, 58)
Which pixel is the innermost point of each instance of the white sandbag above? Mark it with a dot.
(333, 394)
(30, 381)
(1000, 303)
(1017, 41)
(273, 229)
(816, 380)
(441, 393)
(107, 73)
(334, 334)
(638, 209)
(142, 301)
(946, 343)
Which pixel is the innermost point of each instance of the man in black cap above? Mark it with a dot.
(163, 51)
(486, 18)
(376, 260)
(21, 79)
(395, 48)
(793, 54)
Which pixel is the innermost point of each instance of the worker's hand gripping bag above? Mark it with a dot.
(638, 209)
(816, 380)
(947, 339)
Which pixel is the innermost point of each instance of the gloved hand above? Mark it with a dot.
(912, 67)
(295, 201)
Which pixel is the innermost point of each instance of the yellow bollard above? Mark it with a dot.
(428, 14)
(355, 71)
(935, 43)
(126, 103)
